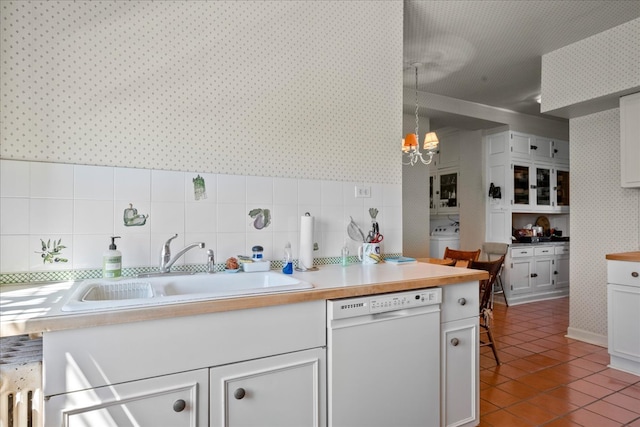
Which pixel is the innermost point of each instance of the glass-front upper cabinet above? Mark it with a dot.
(532, 187)
(562, 189)
(543, 186)
(443, 191)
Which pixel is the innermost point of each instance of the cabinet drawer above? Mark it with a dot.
(521, 252)
(562, 250)
(623, 273)
(543, 251)
(460, 301)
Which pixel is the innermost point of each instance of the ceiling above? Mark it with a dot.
(490, 52)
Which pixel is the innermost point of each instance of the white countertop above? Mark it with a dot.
(32, 309)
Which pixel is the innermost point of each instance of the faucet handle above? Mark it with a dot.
(168, 242)
(211, 263)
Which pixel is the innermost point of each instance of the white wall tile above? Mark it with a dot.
(14, 254)
(285, 191)
(231, 189)
(392, 194)
(332, 218)
(137, 250)
(166, 217)
(50, 216)
(88, 249)
(93, 183)
(285, 217)
(233, 218)
(142, 207)
(331, 193)
(309, 192)
(231, 245)
(93, 217)
(51, 180)
(200, 218)
(210, 184)
(14, 216)
(132, 184)
(167, 186)
(259, 191)
(251, 222)
(35, 252)
(14, 178)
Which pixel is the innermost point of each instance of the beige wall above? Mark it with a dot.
(308, 89)
(605, 218)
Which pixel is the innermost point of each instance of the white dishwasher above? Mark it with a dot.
(384, 360)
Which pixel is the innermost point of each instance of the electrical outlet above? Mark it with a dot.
(363, 191)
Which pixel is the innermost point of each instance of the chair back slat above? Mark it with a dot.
(461, 255)
(493, 268)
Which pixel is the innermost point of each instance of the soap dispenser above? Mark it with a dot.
(112, 260)
(288, 260)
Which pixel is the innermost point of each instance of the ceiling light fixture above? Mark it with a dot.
(410, 146)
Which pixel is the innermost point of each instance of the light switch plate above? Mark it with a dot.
(363, 191)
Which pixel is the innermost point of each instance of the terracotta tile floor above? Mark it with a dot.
(547, 379)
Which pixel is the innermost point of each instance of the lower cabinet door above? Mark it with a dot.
(172, 400)
(459, 373)
(284, 390)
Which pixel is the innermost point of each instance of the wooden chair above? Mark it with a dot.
(461, 256)
(486, 291)
(495, 250)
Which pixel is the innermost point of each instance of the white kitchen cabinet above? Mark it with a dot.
(284, 390)
(460, 392)
(535, 272)
(561, 151)
(448, 154)
(170, 400)
(146, 363)
(561, 267)
(623, 307)
(630, 140)
(443, 191)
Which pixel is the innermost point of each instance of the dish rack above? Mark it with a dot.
(119, 291)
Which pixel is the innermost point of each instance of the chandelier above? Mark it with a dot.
(410, 150)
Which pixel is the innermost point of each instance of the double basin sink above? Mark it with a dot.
(112, 294)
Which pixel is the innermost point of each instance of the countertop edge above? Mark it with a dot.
(633, 256)
(37, 325)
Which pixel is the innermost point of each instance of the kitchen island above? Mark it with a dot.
(182, 362)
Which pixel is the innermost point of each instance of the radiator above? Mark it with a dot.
(21, 399)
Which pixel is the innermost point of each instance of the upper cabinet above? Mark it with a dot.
(443, 176)
(630, 140)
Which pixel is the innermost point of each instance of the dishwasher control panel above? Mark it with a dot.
(372, 304)
(403, 300)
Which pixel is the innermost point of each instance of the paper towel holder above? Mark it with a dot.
(302, 267)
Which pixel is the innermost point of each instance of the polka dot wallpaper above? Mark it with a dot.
(574, 73)
(605, 217)
(299, 89)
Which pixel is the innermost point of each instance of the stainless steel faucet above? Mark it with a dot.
(165, 255)
(211, 262)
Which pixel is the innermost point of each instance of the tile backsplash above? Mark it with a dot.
(77, 208)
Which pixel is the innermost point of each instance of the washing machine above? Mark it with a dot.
(443, 236)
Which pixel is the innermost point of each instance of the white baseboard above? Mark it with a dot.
(588, 337)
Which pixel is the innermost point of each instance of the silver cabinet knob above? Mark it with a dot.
(455, 342)
(462, 301)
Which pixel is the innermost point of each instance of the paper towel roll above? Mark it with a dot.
(305, 260)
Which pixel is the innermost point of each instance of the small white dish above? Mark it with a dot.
(231, 270)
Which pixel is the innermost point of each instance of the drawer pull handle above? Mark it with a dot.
(455, 342)
(534, 275)
(462, 301)
(239, 393)
(179, 405)
(635, 274)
